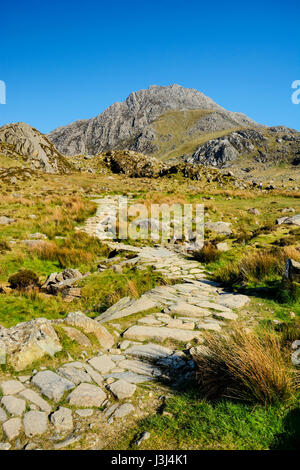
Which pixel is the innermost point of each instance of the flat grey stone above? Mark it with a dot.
(52, 385)
(209, 326)
(87, 395)
(62, 419)
(122, 389)
(140, 367)
(34, 397)
(85, 413)
(184, 308)
(226, 315)
(109, 411)
(11, 387)
(123, 410)
(35, 423)
(160, 334)
(13, 405)
(97, 378)
(74, 374)
(144, 437)
(102, 363)
(24, 378)
(233, 300)
(12, 428)
(150, 351)
(5, 445)
(215, 306)
(3, 415)
(139, 305)
(130, 377)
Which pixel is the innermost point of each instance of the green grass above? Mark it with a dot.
(176, 135)
(16, 308)
(189, 422)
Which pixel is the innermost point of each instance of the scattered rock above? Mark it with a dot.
(6, 220)
(144, 437)
(123, 410)
(219, 227)
(292, 270)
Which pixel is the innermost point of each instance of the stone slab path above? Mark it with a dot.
(49, 403)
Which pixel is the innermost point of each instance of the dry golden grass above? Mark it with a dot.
(246, 367)
(208, 253)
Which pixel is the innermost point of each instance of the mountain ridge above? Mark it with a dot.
(128, 124)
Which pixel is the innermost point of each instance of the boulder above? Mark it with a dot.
(6, 220)
(219, 227)
(294, 220)
(88, 325)
(30, 341)
(292, 270)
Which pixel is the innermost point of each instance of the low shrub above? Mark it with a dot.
(23, 279)
(244, 366)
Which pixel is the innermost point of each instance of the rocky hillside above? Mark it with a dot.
(155, 121)
(23, 146)
(274, 145)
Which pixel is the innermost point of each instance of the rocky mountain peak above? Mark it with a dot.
(130, 124)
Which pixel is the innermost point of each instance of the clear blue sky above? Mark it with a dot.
(68, 60)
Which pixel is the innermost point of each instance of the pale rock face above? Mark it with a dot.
(21, 139)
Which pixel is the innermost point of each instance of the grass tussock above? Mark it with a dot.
(256, 267)
(76, 250)
(208, 253)
(246, 367)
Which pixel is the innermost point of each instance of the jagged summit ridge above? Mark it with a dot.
(129, 124)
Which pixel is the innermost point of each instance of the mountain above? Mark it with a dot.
(161, 121)
(25, 147)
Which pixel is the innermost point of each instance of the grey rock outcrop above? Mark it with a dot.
(35, 150)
